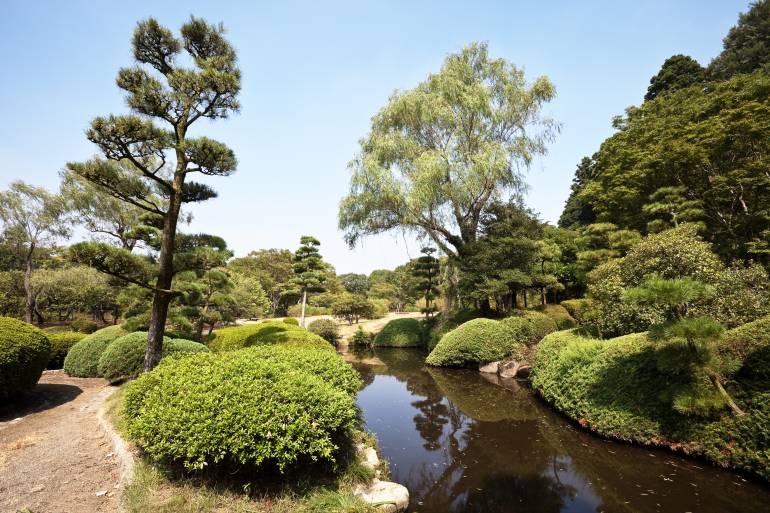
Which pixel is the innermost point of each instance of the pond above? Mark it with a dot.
(461, 443)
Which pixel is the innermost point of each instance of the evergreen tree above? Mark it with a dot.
(309, 271)
(746, 46)
(426, 271)
(678, 71)
(162, 154)
(577, 211)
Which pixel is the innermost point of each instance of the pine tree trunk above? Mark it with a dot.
(729, 400)
(302, 312)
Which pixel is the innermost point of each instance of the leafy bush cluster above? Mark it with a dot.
(478, 340)
(327, 329)
(740, 294)
(273, 332)
(577, 308)
(529, 326)
(124, 357)
(291, 320)
(617, 388)
(262, 408)
(362, 338)
(83, 326)
(61, 343)
(560, 316)
(400, 333)
(24, 352)
(82, 360)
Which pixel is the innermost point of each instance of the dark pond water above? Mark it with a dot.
(463, 444)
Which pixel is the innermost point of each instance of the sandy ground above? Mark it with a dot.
(54, 458)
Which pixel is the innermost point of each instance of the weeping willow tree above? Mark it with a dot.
(438, 154)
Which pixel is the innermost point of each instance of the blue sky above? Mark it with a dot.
(313, 75)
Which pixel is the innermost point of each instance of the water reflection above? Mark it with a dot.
(462, 444)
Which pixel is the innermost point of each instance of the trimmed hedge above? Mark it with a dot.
(236, 409)
(542, 325)
(291, 320)
(560, 316)
(577, 308)
(614, 387)
(124, 356)
(60, 345)
(84, 326)
(327, 329)
(273, 332)
(400, 333)
(476, 341)
(24, 352)
(83, 358)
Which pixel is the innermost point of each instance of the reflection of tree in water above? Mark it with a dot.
(513, 493)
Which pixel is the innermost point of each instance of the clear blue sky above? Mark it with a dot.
(313, 75)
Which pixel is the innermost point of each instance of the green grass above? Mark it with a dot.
(614, 387)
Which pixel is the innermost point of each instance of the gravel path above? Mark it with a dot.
(54, 457)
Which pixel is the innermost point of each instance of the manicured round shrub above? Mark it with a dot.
(273, 332)
(577, 308)
(400, 333)
(542, 325)
(60, 345)
(327, 329)
(83, 326)
(476, 341)
(291, 320)
(235, 409)
(747, 348)
(560, 316)
(24, 351)
(82, 360)
(124, 356)
(327, 365)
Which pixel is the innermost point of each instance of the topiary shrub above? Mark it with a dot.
(479, 340)
(542, 325)
(577, 308)
(83, 326)
(560, 316)
(82, 360)
(124, 357)
(60, 345)
(327, 329)
(273, 332)
(235, 410)
(24, 352)
(291, 320)
(747, 348)
(400, 333)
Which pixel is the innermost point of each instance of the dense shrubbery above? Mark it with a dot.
(124, 356)
(478, 340)
(61, 343)
(400, 333)
(741, 294)
(24, 352)
(577, 308)
(529, 327)
(327, 329)
(83, 358)
(380, 308)
(239, 409)
(560, 316)
(238, 337)
(614, 387)
(291, 320)
(83, 326)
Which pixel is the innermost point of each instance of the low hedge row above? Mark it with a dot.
(24, 352)
(272, 332)
(400, 333)
(82, 360)
(124, 357)
(614, 387)
(61, 343)
(261, 408)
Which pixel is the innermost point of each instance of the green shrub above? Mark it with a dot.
(542, 324)
(479, 340)
(124, 357)
(291, 320)
(273, 332)
(560, 316)
(615, 388)
(235, 409)
(83, 326)
(362, 338)
(327, 365)
(380, 308)
(60, 345)
(83, 358)
(296, 310)
(24, 351)
(577, 308)
(327, 329)
(748, 347)
(400, 333)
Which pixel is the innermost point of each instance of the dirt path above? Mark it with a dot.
(54, 458)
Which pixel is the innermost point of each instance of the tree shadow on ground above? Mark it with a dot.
(43, 396)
